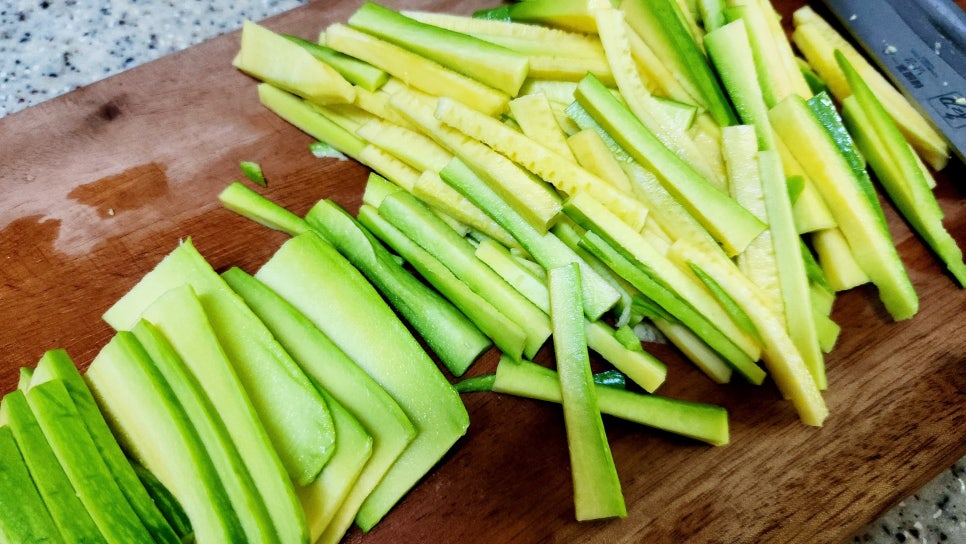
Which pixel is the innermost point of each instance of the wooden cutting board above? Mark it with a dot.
(100, 184)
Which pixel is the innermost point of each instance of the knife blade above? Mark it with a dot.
(921, 47)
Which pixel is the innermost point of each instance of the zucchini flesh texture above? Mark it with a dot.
(758, 260)
(289, 407)
(25, 517)
(894, 161)
(57, 364)
(566, 175)
(591, 152)
(837, 260)
(409, 215)
(177, 335)
(859, 218)
(155, 428)
(614, 37)
(66, 509)
(705, 422)
(316, 279)
(537, 121)
(489, 64)
(811, 211)
(274, 59)
(531, 197)
(695, 349)
(779, 353)
(432, 190)
(415, 70)
(767, 64)
(728, 222)
(546, 249)
(597, 488)
(449, 333)
(509, 337)
(666, 211)
(428, 157)
(786, 55)
(791, 268)
(64, 428)
(323, 499)
(407, 143)
(341, 379)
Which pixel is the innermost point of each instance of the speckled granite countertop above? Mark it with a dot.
(48, 48)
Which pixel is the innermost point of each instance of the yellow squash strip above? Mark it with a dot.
(591, 152)
(614, 37)
(835, 256)
(758, 260)
(784, 362)
(818, 41)
(564, 174)
(415, 70)
(565, 43)
(535, 117)
(530, 197)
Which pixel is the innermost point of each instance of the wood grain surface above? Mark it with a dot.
(100, 184)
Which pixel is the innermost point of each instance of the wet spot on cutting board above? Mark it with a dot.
(129, 190)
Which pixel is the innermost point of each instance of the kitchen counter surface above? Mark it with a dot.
(48, 48)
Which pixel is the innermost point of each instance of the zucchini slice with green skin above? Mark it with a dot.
(781, 356)
(635, 273)
(25, 517)
(449, 333)
(895, 163)
(272, 58)
(288, 406)
(509, 337)
(57, 364)
(177, 334)
(597, 488)
(360, 73)
(169, 506)
(330, 292)
(661, 24)
(705, 422)
(822, 146)
(637, 364)
(730, 224)
(175, 351)
(425, 228)
(150, 420)
(66, 509)
(343, 380)
(249, 203)
(323, 499)
(64, 428)
(485, 62)
(546, 249)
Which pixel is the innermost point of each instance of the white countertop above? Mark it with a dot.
(48, 48)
